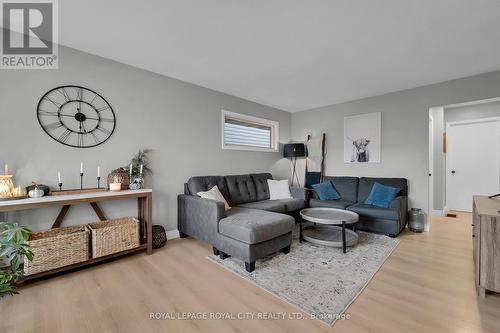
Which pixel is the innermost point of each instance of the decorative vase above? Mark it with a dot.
(119, 176)
(6, 186)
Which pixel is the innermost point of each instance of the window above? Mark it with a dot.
(242, 132)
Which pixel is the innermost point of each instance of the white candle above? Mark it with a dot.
(98, 172)
(131, 169)
(81, 167)
(59, 177)
(141, 170)
(6, 169)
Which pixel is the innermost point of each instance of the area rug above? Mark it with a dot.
(321, 281)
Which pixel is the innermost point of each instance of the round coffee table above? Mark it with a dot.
(331, 230)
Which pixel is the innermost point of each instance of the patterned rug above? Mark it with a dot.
(321, 281)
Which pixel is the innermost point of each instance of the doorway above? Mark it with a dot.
(464, 154)
(472, 161)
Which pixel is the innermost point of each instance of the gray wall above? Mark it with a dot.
(180, 121)
(405, 146)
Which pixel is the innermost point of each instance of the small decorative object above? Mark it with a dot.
(36, 192)
(76, 116)
(116, 185)
(294, 150)
(362, 138)
(44, 188)
(19, 192)
(140, 165)
(59, 180)
(15, 250)
(81, 176)
(98, 177)
(6, 187)
(159, 236)
(136, 184)
(121, 176)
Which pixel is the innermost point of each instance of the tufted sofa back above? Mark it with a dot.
(237, 189)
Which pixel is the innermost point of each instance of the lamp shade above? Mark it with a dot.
(294, 150)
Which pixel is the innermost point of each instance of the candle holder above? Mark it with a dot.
(60, 186)
(6, 186)
(81, 180)
(98, 182)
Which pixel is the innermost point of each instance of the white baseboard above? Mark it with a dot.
(437, 212)
(171, 234)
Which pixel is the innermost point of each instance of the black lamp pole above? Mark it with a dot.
(294, 150)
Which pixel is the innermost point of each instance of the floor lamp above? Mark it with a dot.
(292, 151)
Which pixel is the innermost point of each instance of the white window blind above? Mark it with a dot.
(248, 133)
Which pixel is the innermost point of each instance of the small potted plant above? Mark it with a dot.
(140, 168)
(14, 248)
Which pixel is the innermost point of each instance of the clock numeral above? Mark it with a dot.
(79, 94)
(93, 99)
(48, 113)
(64, 137)
(53, 102)
(80, 139)
(103, 108)
(63, 92)
(107, 120)
(96, 139)
(103, 130)
(53, 126)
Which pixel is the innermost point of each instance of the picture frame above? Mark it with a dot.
(363, 138)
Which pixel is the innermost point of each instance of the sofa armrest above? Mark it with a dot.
(401, 203)
(299, 193)
(199, 217)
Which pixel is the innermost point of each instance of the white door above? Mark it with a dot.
(472, 161)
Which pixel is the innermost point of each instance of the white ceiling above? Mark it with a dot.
(292, 54)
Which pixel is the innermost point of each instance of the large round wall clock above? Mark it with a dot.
(76, 116)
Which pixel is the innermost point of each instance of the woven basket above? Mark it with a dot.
(114, 236)
(159, 236)
(56, 248)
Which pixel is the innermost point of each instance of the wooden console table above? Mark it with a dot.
(144, 215)
(486, 243)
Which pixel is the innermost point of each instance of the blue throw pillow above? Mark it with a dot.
(382, 195)
(326, 191)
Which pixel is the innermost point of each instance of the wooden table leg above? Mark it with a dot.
(149, 221)
(98, 211)
(140, 217)
(60, 217)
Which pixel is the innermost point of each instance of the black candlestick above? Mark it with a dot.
(60, 186)
(98, 182)
(81, 180)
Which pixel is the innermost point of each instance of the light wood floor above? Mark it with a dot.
(425, 286)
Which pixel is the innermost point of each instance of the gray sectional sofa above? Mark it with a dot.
(253, 228)
(354, 191)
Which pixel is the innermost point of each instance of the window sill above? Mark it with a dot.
(249, 148)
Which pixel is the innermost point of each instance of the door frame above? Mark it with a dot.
(431, 170)
(447, 155)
